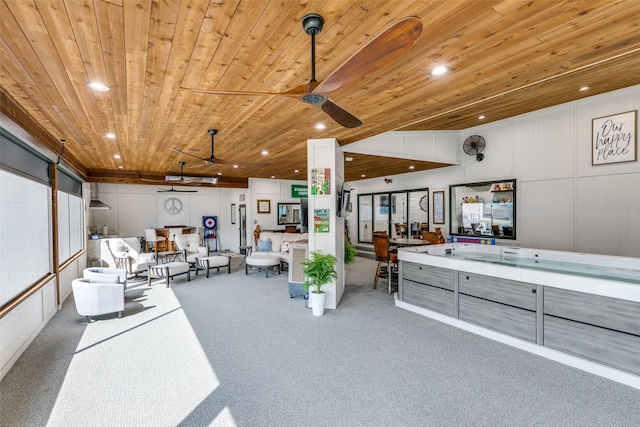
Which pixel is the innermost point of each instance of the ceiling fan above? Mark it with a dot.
(173, 190)
(379, 52)
(183, 180)
(213, 160)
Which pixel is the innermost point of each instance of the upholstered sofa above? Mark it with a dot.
(274, 243)
(291, 248)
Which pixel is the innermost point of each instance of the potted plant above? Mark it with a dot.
(318, 270)
(350, 251)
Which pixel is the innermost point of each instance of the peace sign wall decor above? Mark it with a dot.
(173, 206)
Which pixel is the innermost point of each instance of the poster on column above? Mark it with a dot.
(321, 220)
(320, 182)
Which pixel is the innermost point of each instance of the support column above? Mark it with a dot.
(325, 161)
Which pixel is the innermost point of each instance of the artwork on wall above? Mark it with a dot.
(384, 204)
(321, 220)
(614, 138)
(320, 181)
(264, 206)
(438, 207)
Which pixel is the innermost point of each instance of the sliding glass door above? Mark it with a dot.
(403, 214)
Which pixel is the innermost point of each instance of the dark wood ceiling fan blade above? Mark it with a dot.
(217, 161)
(379, 52)
(340, 115)
(187, 154)
(296, 92)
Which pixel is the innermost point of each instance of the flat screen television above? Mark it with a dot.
(304, 215)
(344, 201)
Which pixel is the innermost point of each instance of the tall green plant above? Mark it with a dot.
(319, 270)
(350, 252)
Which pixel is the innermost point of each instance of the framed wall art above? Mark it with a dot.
(438, 207)
(264, 206)
(613, 138)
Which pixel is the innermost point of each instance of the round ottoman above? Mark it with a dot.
(262, 262)
(215, 261)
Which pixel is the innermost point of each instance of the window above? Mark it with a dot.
(484, 209)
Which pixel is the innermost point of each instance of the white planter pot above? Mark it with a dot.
(317, 302)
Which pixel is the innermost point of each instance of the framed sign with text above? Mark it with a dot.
(438, 207)
(614, 138)
(264, 206)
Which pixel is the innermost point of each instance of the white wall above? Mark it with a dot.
(21, 325)
(274, 190)
(136, 207)
(563, 201)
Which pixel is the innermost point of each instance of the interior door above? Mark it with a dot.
(242, 215)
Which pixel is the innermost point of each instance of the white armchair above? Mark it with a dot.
(99, 272)
(98, 296)
(130, 260)
(189, 244)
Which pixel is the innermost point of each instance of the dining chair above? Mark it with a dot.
(150, 236)
(172, 237)
(430, 236)
(401, 230)
(387, 260)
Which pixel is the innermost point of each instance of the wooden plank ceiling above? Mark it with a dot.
(505, 58)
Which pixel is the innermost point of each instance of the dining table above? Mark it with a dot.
(403, 242)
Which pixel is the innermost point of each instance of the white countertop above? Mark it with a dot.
(523, 267)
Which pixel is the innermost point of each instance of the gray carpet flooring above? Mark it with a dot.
(235, 350)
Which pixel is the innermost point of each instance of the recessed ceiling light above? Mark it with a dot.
(439, 70)
(110, 135)
(235, 166)
(348, 159)
(273, 176)
(219, 173)
(412, 167)
(97, 86)
(120, 167)
(116, 156)
(583, 88)
(363, 175)
(296, 171)
(480, 117)
(321, 126)
(265, 152)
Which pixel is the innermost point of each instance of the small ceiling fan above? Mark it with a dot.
(183, 180)
(213, 160)
(173, 190)
(379, 52)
